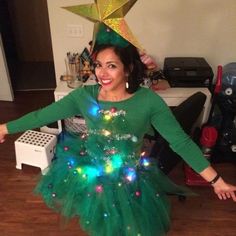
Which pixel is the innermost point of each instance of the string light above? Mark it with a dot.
(99, 188)
(105, 215)
(94, 110)
(117, 161)
(110, 161)
(106, 132)
(145, 162)
(83, 136)
(108, 168)
(82, 152)
(134, 139)
(110, 151)
(130, 174)
(107, 117)
(71, 161)
(143, 154)
(79, 170)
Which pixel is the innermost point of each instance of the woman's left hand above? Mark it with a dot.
(224, 190)
(148, 61)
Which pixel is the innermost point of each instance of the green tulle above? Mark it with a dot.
(102, 179)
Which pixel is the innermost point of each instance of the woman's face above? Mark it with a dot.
(110, 71)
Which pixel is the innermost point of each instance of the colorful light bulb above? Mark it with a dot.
(106, 132)
(99, 188)
(94, 110)
(108, 168)
(107, 117)
(130, 175)
(145, 162)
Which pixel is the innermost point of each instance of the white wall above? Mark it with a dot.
(204, 28)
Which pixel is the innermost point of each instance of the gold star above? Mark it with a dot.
(109, 12)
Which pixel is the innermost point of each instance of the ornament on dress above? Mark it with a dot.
(113, 112)
(113, 109)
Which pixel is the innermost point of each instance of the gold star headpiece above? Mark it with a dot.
(110, 13)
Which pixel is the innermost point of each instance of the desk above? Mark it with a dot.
(172, 96)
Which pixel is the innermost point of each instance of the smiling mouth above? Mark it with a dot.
(106, 81)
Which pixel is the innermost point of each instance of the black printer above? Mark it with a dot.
(188, 72)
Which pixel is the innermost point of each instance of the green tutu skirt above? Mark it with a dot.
(112, 193)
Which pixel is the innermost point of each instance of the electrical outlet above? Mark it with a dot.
(75, 31)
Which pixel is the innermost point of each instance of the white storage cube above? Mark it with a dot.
(35, 148)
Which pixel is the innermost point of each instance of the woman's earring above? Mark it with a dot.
(127, 85)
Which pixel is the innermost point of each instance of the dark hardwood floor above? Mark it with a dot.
(23, 213)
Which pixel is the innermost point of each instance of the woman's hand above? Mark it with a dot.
(148, 61)
(3, 132)
(221, 188)
(224, 190)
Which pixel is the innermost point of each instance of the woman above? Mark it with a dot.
(102, 176)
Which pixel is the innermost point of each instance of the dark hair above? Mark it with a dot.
(130, 58)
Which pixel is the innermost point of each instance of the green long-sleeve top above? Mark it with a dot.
(142, 111)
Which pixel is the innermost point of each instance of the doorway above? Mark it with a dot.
(27, 43)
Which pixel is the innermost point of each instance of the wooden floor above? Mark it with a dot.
(23, 213)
